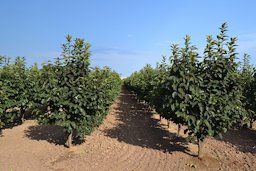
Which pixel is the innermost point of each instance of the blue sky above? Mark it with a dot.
(125, 35)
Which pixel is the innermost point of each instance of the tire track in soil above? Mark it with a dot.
(140, 133)
(132, 159)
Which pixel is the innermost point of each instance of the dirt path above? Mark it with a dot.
(131, 138)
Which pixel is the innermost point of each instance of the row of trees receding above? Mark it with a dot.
(66, 92)
(208, 96)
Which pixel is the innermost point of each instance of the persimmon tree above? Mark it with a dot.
(75, 95)
(248, 82)
(205, 96)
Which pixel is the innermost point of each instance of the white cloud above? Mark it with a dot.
(247, 42)
(130, 35)
(113, 50)
(41, 57)
(123, 61)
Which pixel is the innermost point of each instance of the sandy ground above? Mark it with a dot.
(131, 138)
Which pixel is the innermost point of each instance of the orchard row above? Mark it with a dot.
(208, 96)
(66, 92)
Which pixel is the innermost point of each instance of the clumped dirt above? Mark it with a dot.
(131, 138)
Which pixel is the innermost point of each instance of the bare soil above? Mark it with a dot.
(131, 138)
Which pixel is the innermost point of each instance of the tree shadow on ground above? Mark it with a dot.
(28, 115)
(136, 126)
(51, 133)
(11, 125)
(243, 139)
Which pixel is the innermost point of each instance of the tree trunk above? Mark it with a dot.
(69, 140)
(178, 132)
(251, 124)
(200, 145)
(22, 114)
(49, 109)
